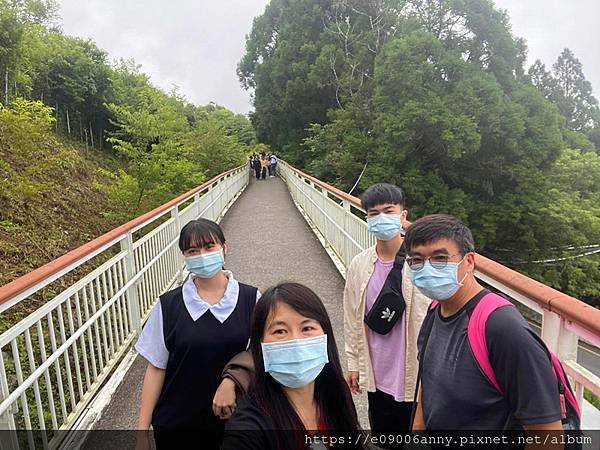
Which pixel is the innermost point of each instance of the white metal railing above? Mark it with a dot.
(339, 218)
(53, 361)
(333, 214)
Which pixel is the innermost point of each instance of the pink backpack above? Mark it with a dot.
(571, 414)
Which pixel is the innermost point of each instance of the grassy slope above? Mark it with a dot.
(58, 220)
(37, 230)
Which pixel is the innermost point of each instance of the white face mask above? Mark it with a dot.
(385, 226)
(206, 265)
(295, 363)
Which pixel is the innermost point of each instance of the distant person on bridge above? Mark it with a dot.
(273, 165)
(192, 332)
(455, 394)
(256, 166)
(264, 164)
(383, 313)
(299, 392)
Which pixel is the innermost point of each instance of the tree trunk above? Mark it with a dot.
(68, 122)
(92, 134)
(6, 86)
(56, 117)
(86, 140)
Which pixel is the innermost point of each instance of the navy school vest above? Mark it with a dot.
(198, 352)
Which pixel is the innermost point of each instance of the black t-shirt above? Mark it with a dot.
(456, 395)
(252, 428)
(249, 428)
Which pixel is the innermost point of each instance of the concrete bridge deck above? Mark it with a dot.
(269, 241)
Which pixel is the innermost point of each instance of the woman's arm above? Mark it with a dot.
(153, 383)
(240, 370)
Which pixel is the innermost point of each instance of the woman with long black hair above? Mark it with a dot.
(190, 335)
(298, 395)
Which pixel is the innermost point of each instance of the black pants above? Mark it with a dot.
(387, 416)
(264, 173)
(257, 172)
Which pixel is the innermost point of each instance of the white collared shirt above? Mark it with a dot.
(151, 343)
(196, 306)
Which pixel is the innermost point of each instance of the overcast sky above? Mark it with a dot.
(196, 44)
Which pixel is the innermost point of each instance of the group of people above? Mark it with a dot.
(252, 371)
(263, 163)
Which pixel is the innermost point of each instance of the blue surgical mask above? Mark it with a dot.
(206, 265)
(295, 363)
(385, 226)
(438, 284)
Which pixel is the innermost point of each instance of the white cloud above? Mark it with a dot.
(196, 44)
(549, 26)
(193, 44)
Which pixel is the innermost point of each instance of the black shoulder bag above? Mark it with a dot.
(389, 305)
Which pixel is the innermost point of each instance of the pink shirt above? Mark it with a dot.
(388, 351)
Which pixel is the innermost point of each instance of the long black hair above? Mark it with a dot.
(332, 394)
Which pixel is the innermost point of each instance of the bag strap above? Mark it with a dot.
(560, 375)
(392, 287)
(476, 334)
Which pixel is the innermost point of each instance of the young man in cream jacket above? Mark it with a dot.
(383, 364)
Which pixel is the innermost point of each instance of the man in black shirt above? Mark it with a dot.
(455, 394)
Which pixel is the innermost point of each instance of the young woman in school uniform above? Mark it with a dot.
(298, 396)
(192, 332)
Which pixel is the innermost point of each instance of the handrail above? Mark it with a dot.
(332, 189)
(54, 360)
(344, 234)
(548, 298)
(33, 278)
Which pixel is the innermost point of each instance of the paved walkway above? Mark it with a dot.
(269, 241)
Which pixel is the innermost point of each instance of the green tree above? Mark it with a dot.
(151, 138)
(573, 93)
(281, 51)
(11, 35)
(41, 12)
(29, 154)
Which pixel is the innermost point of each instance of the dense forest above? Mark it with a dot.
(87, 144)
(435, 97)
(432, 95)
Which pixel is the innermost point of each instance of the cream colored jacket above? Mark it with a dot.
(355, 330)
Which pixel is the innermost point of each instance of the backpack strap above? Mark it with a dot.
(476, 334)
(564, 385)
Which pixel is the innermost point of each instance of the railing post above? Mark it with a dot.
(197, 203)
(346, 247)
(132, 293)
(177, 219)
(8, 435)
(559, 340)
(211, 211)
